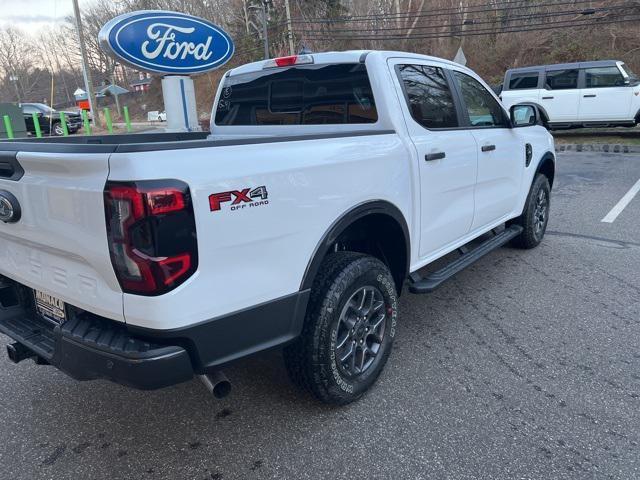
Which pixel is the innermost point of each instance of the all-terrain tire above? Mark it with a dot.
(535, 217)
(313, 360)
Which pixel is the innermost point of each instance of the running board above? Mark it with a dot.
(418, 284)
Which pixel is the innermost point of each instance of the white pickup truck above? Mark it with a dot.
(328, 181)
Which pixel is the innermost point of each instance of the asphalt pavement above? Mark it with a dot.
(525, 366)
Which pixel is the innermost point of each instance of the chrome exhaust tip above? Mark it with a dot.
(217, 383)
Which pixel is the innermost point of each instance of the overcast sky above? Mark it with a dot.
(31, 15)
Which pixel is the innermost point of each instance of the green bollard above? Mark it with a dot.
(7, 126)
(85, 122)
(127, 120)
(63, 122)
(107, 119)
(36, 124)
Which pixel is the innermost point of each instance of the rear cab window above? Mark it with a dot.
(300, 95)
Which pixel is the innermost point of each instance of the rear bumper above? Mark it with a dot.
(87, 347)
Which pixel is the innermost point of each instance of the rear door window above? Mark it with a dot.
(428, 96)
(602, 77)
(562, 79)
(523, 81)
(303, 95)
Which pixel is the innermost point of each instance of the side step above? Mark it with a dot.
(418, 284)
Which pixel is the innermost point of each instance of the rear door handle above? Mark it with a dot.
(590, 96)
(547, 98)
(488, 148)
(430, 157)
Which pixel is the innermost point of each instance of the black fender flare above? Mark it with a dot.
(543, 167)
(342, 223)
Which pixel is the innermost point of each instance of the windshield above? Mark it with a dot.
(632, 76)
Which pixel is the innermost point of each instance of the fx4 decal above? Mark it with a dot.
(239, 198)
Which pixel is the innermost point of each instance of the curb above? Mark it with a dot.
(597, 147)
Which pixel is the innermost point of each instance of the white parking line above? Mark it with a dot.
(620, 206)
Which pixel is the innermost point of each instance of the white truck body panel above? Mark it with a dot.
(253, 255)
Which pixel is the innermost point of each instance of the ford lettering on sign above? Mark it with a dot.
(166, 42)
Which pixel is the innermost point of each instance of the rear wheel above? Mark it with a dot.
(535, 217)
(349, 329)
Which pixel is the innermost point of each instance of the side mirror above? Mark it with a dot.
(523, 115)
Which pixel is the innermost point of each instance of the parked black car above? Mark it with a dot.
(49, 119)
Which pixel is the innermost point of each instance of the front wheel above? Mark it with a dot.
(349, 329)
(535, 217)
(57, 129)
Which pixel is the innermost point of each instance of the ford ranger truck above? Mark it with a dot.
(328, 183)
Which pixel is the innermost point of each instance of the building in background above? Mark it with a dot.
(142, 84)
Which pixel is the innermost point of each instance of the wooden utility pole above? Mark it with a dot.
(86, 72)
(292, 50)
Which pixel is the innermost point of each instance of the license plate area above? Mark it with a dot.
(49, 307)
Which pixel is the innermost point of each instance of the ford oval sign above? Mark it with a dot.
(166, 42)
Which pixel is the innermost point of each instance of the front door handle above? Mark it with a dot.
(547, 98)
(430, 157)
(590, 96)
(488, 148)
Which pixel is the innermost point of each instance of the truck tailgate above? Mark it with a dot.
(59, 245)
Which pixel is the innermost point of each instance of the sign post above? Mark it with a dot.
(172, 44)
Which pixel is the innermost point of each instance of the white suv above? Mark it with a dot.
(587, 94)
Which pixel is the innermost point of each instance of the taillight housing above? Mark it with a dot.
(152, 234)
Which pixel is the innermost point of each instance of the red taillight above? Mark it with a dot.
(152, 238)
(165, 201)
(175, 267)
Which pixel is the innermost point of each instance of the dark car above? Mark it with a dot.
(49, 119)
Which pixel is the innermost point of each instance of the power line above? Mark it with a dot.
(473, 22)
(437, 13)
(529, 28)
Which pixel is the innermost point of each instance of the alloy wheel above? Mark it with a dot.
(361, 331)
